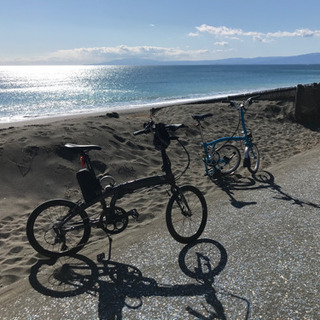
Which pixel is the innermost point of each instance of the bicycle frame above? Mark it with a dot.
(118, 191)
(247, 138)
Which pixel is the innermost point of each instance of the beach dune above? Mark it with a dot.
(36, 167)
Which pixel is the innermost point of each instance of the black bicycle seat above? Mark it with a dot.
(82, 147)
(201, 116)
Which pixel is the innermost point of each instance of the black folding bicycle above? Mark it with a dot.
(62, 227)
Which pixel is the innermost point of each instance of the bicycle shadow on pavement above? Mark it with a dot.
(230, 183)
(267, 180)
(119, 286)
(260, 180)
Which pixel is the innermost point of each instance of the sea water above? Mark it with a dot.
(28, 92)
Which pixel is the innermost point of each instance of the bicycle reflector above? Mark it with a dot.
(82, 161)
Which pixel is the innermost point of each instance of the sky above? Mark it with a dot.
(99, 31)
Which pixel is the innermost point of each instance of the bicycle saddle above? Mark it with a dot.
(82, 147)
(201, 116)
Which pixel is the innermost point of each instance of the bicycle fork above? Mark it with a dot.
(182, 202)
(247, 161)
(247, 150)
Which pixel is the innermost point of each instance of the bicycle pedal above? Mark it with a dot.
(101, 257)
(134, 213)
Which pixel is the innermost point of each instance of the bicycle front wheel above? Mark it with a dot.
(254, 157)
(186, 214)
(229, 160)
(58, 228)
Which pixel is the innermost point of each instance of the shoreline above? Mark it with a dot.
(272, 94)
(48, 120)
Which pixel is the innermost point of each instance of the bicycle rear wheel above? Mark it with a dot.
(50, 236)
(229, 160)
(254, 157)
(186, 214)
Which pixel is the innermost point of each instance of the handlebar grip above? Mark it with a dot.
(147, 128)
(143, 131)
(250, 101)
(175, 127)
(233, 104)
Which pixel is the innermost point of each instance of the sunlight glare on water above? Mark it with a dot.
(34, 91)
(43, 91)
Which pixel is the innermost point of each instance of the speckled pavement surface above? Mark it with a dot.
(257, 259)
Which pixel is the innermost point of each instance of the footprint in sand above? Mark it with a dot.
(122, 140)
(15, 250)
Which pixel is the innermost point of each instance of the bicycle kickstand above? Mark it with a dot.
(102, 256)
(110, 245)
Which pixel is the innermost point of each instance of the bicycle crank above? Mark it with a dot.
(114, 220)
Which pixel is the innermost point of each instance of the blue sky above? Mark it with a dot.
(96, 31)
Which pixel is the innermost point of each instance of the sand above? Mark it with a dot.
(35, 166)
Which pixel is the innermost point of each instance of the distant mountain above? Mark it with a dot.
(136, 62)
(311, 58)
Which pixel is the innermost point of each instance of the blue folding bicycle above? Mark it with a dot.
(225, 159)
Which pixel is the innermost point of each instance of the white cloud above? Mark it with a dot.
(224, 50)
(96, 55)
(296, 33)
(105, 54)
(224, 31)
(221, 43)
(193, 34)
(219, 31)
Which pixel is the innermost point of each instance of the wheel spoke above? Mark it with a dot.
(50, 236)
(186, 225)
(229, 159)
(254, 158)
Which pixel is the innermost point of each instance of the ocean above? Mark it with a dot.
(29, 92)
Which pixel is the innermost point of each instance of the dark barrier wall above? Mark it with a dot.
(307, 109)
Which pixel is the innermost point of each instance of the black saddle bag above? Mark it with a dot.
(90, 186)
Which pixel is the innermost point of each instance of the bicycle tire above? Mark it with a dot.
(229, 160)
(45, 240)
(254, 158)
(191, 216)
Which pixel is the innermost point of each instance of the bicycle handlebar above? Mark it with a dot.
(150, 126)
(244, 104)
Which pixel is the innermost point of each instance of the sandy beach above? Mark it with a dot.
(36, 167)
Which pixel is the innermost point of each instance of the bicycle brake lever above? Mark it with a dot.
(147, 128)
(233, 104)
(251, 100)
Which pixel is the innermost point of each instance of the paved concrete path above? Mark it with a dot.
(258, 259)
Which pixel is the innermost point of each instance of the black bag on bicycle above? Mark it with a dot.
(161, 138)
(89, 185)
